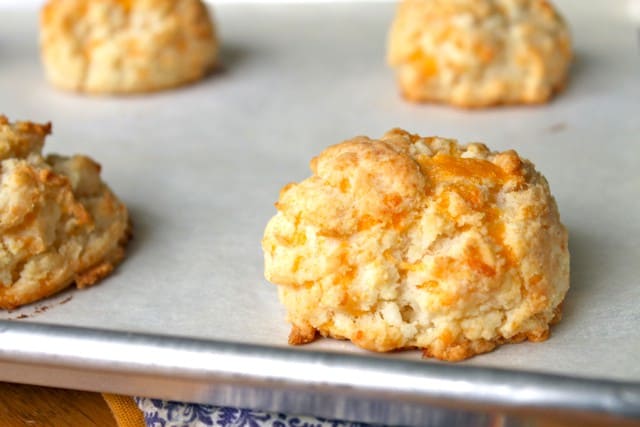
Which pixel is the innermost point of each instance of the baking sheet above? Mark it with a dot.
(200, 168)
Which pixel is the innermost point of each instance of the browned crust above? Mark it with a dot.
(419, 98)
(82, 279)
(302, 334)
(465, 349)
(42, 129)
(138, 91)
(101, 270)
(457, 351)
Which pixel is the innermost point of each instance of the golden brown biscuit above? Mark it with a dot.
(412, 242)
(478, 53)
(59, 223)
(126, 46)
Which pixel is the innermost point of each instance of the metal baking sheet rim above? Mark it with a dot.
(369, 389)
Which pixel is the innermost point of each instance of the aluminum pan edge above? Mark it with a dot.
(287, 380)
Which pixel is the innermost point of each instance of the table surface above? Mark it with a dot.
(25, 405)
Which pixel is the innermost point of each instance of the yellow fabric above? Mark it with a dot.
(124, 410)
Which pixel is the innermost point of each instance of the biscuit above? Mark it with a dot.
(59, 223)
(126, 46)
(479, 53)
(411, 242)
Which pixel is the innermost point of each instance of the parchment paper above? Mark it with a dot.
(200, 168)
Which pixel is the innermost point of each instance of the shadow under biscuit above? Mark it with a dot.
(141, 220)
(595, 74)
(10, 57)
(231, 57)
(590, 270)
(579, 70)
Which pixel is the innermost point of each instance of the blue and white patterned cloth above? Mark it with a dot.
(160, 413)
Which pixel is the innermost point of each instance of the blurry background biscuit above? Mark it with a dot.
(411, 242)
(477, 53)
(59, 223)
(126, 46)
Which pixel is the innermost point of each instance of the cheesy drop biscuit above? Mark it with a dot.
(479, 53)
(126, 46)
(413, 242)
(59, 223)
